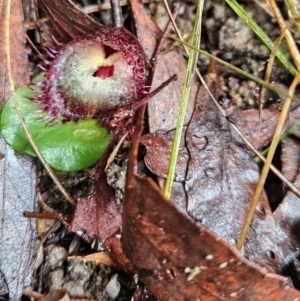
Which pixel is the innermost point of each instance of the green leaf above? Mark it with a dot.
(65, 146)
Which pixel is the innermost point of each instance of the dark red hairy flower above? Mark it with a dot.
(99, 72)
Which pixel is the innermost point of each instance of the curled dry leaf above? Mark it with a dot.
(178, 259)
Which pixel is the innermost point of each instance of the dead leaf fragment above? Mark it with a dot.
(18, 55)
(17, 175)
(259, 135)
(178, 259)
(97, 215)
(65, 26)
(163, 108)
(219, 181)
(159, 146)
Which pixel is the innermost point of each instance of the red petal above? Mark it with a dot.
(104, 72)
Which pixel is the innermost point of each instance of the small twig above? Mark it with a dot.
(132, 164)
(44, 206)
(145, 99)
(34, 48)
(288, 36)
(164, 36)
(117, 13)
(43, 215)
(115, 151)
(268, 72)
(265, 170)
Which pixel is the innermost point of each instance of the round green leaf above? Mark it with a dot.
(65, 146)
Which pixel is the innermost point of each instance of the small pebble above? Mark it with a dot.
(113, 287)
(55, 257)
(56, 279)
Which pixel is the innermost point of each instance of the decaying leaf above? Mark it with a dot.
(159, 146)
(178, 259)
(17, 178)
(98, 214)
(18, 55)
(219, 183)
(259, 135)
(65, 26)
(163, 108)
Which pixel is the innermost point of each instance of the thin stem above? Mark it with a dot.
(191, 66)
(287, 34)
(261, 34)
(238, 70)
(284, 113)
(248, 143)
(117, 13)
(265, 170)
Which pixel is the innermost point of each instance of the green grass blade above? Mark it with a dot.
(261, 34)
(191, 66)
(238, 70)
(294, 9)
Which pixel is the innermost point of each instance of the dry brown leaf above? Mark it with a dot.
(159, 146)
(219, 179)
(66, 21)
(98, 214)
(17, 178)
(18, 55)
(162, 109)
(178, 259)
